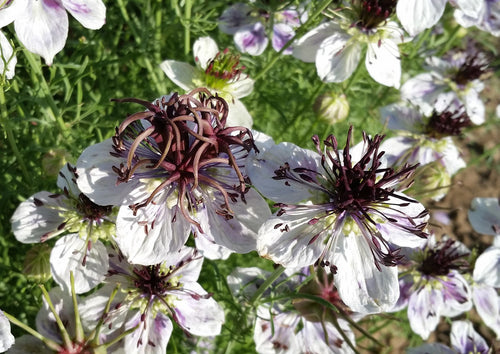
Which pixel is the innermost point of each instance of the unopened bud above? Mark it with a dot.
(54, 160)
(332, 107)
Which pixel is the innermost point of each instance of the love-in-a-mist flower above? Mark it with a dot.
(486, 18)
(248, 23)
(428, 141)
(464, 340)
(219, 71)
(176, 168)
(42, 25)
(151, 297)
(415, 16)
(433, 286)
(46, 215)
(455, 78)
(339, 209)
(336, 46)
(8, 59)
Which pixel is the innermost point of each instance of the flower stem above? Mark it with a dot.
(4, 122)
(62, 329)
(50, 110)
(187, 26)
(275, 275)
(48, 342)
(298, 33)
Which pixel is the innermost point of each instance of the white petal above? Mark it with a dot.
(306, 47)
(401, 117)
(182, 74)
(98, 181)
(45, 320)
(238, 115)
(383, 62)
(205, 243)
(423, 91)
(9, 13)
(150, 236)
(415, 16)
(43, 28)
(238, 234)
(246, 281)
(474, 106)
(32, 223)
(278, 333)
(6, 337)
(484, 215)
(204, 50)
(152, 335)
(7, 55)
(457, 294)
(90, 13)
(471, 8)
(68, 256)
(423, 311)
(487, 267)
(290, 240)
(337, 58)
(487, 304)
(201, 317)
(313, 339)
(261, 167)
(240, 88)
(361, 285)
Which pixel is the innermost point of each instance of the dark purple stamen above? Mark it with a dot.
(185, 137)
(447, 123)
(373, 12)
(443, 258)
(472, 69)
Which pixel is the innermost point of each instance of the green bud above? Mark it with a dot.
(37, 263)
(332, 107)
(54, 160)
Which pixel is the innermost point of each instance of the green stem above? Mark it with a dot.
(449, 42)
(48, 342)
(298, 33)
(62, 329)
(51, 110)
(4, 121)
(187, 26)
(275, 275)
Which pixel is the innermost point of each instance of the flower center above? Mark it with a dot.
(179, 140)
(373, 12)
(444, 257)
(447, 123)
(223, 68)
(472, 69)
(91, 211)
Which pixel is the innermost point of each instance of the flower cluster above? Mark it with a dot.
(200, 222)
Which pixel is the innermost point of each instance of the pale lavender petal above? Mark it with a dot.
(464, 339)
(282, 33)
(251, 39)
(305, 47)
(152, 335)
(43, 28)
(484, 215)
(90, 13)
(487, 304)
(235, 17)
(424, 311)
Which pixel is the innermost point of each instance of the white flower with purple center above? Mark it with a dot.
(42, 25)
(340, 210)
(486, 18)
(428, 141)
(220, 72)
(248, 26)
(176, 168)
(416, 16)
(336, 46)
(151, 297)
(46, 215)
(456, 79)
(434, 286)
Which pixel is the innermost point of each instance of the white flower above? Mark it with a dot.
(339, 211)
(173, 169)
(220, 72)
(42, 25)
(337, 47)
(46, 215)
(151, 297)
(454, 80)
